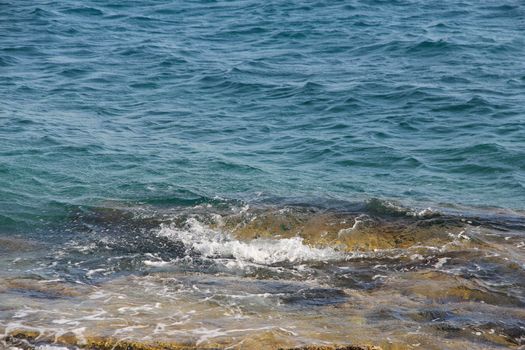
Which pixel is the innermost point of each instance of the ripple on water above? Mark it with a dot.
(123, 128)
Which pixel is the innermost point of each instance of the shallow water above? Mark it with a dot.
(255, 174)
(267, 276)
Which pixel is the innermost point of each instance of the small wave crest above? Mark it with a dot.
(211, 243)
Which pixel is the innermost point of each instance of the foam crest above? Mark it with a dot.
(212, 243)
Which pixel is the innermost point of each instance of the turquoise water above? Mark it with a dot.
(255, 174)
(423, 103)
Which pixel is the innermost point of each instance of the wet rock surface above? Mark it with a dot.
(266, 277)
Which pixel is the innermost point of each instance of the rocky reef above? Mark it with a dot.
(29, 340)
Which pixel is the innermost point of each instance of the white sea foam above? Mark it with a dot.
(425, 213)
(217, 244)
(359, 222)
(156, 263)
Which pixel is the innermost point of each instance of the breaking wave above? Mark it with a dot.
(214, 243)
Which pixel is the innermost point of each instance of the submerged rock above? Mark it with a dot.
(39, 288)
(443, 287)
(335, 347)
(31, 340)
(214, 278)
(16, 245)
(349, 230)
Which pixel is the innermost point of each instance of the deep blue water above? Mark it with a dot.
(422, 102)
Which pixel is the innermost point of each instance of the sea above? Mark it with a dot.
(262, 174)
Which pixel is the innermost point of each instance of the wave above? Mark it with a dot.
(217, 244)
(84, 11)
(221, 235)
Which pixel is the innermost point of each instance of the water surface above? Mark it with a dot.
(257, 174)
